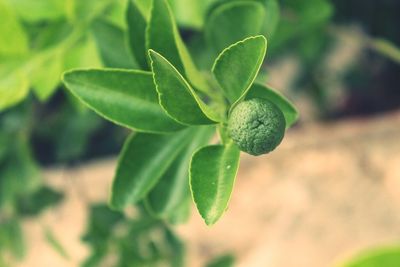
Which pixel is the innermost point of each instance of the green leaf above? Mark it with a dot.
(144, 6)
(100, 225)
(36, 11)
(143, 161)
(237, 66)
(85, 11)
(190, 13)
(227, 260)
(289, 110)
(46, 77)
(82, 55)
(4, 139)
(14, 40)
(181, 213)
(173, 187)
(386, 48)
(127, 98)
(111, 44)
(272, 16)
(233, 21)
(379, 257)
(162, 35)
(12, 238)
(177, 253)
(301, 18)
(74, 132)
(137, 34)
(53, 241)
(13, 89)
(212, 175)
(33, 204)
(19, 173)
(116, 13)
(177, 97)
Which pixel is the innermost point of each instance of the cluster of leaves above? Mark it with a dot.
(138, 240)
(40, 40)
(47, 37)
(22, 194)
(174, 108)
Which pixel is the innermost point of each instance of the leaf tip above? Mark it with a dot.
(151, 52)
(113, 204)
(64, 76)
(210, 222)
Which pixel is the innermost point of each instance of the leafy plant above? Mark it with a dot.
(174, 109)
(388, 256)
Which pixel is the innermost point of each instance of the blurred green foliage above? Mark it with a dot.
(40, 125)
(388, 256)
(138, 241)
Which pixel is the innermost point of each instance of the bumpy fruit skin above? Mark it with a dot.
(257, 126)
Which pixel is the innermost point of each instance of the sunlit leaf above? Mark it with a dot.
(212, 175)
(127, 98)
(143, 161)
(136, 34)
(237, 66)
(173, 187)
(162, 35)
(176, 96)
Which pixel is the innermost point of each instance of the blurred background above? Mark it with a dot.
(329, 192)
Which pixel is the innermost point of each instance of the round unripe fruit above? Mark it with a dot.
(257, 126)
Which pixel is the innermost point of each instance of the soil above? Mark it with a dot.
(328, 191)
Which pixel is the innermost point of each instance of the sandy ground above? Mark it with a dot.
(328, 191)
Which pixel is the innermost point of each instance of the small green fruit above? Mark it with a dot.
(257, 126)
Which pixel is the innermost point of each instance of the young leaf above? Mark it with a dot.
(177, 97)
(136, 34)
(162, 35)
(289, 110)
(237, 66)
(144, 159)
(173, 187)
(233, 21)
(212, 175)
(127, 98)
